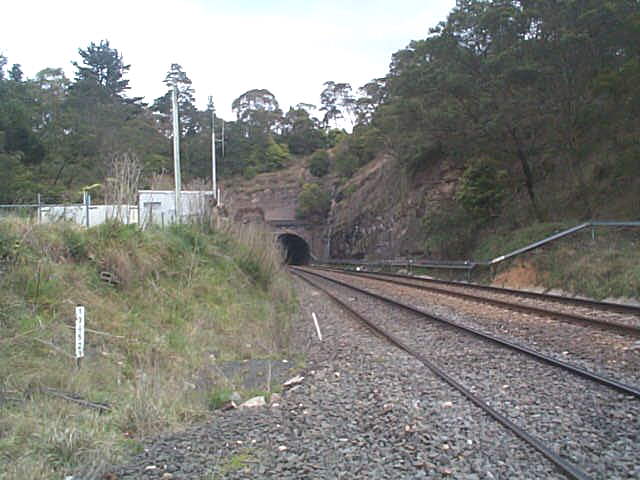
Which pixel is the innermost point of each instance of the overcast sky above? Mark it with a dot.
(226, 47)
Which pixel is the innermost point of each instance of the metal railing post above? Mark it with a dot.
(87, 203)
(39, 216)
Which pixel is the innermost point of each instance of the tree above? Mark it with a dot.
(372, 95)
(3, 64)
(105, 67)
(15, 73)
(482, 188)
(337, 101)
(190, 121)
(302, 132)
(258, 110)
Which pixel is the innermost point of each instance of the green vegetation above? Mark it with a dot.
(313, 201)
(507, 241)
(600, 263)
(184, 299)
(537, 102)
(58, 135)
(449, 231)
(319, 163)
(482, 189)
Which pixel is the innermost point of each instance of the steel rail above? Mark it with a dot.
(571, 317)
(569, 469)
(581, 302)
(574, 369)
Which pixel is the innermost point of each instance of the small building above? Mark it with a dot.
(97, 213)
(159, 207)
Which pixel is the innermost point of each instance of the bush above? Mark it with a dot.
(275, 156)
(335, 136)
(313, 201)
(7, 242)
(75, 242)
(419, 155)
(319, 163)
(482, 188)
(450, 232)
(190, 300)
(346, 163)
(357, 150)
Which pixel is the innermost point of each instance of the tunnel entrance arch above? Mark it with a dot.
(295, 249)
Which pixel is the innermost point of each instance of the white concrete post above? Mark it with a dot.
(176, 151)
(214, 184)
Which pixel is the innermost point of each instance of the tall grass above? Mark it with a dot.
(599, 263)
(182, 300)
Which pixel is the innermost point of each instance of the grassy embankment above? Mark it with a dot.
(186, 299)
(599, 263)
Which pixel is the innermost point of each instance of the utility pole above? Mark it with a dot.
(176, 150)
(214, 184)
(222, 138)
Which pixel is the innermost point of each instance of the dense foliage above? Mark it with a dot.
(313, 202)
(58, 135)
(545, 88)
(548, 90)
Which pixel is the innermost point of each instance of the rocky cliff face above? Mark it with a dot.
(378, 213)
(270, 200)
(268, 196)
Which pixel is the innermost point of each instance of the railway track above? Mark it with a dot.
(619, 318)
(446, 343)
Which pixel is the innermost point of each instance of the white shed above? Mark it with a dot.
(158, 206)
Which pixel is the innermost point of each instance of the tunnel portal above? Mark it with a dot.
(295, 249)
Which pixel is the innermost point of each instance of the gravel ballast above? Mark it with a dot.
(608, 353)
(364, 410)
(592, 426)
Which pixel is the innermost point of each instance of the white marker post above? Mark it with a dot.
(315, 321)
(79, 334)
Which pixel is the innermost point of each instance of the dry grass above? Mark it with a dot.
(603, 263)
(188, 297)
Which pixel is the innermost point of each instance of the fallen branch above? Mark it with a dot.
(103, 407)
(55, 348)
(12, 339)
(97, 332)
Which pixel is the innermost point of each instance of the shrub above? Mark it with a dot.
(319, 163)
(75, 242)
(275, 156)
(7, 242)
(313, 201)
(346, 163)
(418, 154)
(482, 188)
(449, 232)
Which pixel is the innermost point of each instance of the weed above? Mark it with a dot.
(219, 397)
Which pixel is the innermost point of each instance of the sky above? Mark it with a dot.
(226, 47)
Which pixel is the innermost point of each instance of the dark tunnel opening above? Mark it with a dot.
(295, 249)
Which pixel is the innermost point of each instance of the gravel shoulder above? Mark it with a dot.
(363, 410)
(592, 426)
(608, 353)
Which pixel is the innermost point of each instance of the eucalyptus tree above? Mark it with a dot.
(302, 132)
(337, 102)
(258, 111)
